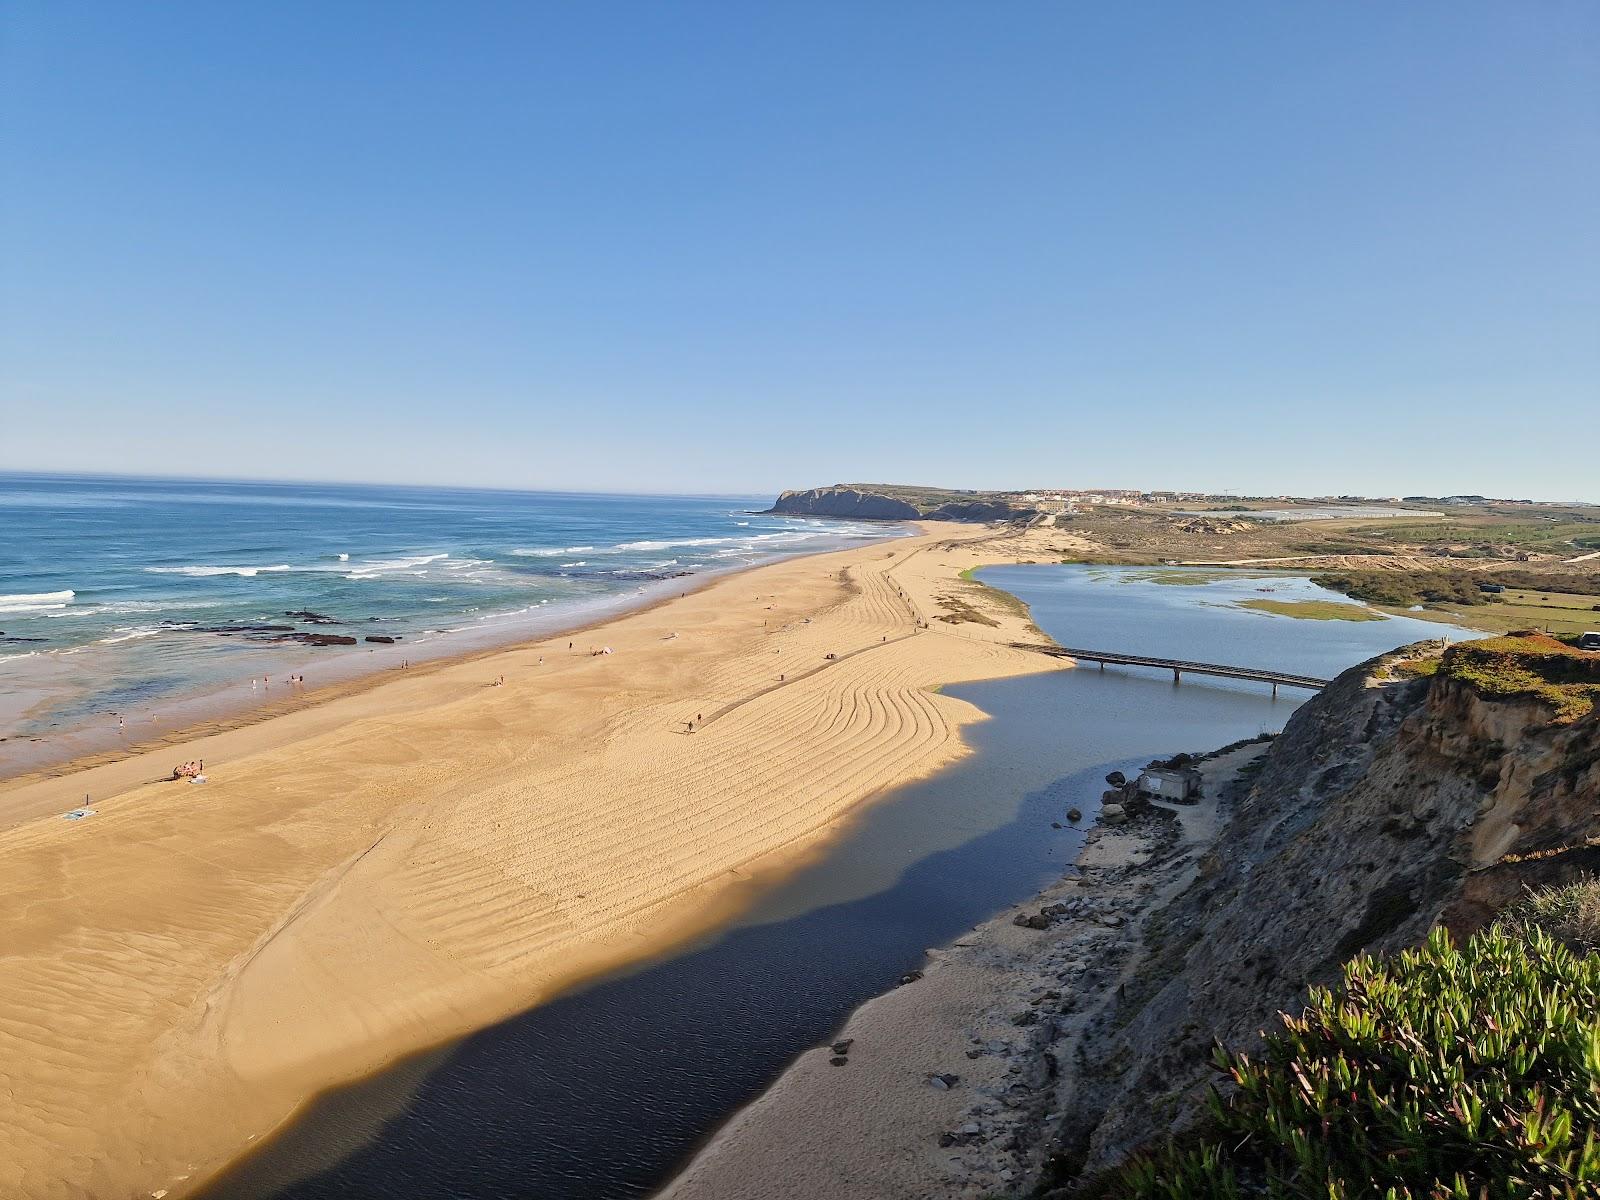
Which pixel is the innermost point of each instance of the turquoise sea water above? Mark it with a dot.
(125, 601)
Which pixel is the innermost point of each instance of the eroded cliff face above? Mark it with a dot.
(1387, 805)
(842, 501)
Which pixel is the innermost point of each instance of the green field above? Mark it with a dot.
(1555, 612)
(1314, 610)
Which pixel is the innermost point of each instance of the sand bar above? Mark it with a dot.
(407, 862)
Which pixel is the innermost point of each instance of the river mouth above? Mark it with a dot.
(606, 1091)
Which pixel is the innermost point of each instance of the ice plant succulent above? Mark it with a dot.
(1444, 1073)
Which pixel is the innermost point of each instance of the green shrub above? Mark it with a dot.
(1442, 1074)
(1528, 664)
(1402, 589)
(1570, 914)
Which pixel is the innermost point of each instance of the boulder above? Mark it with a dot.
(1113, 814)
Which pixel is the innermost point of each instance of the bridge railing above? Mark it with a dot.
(1178, 665)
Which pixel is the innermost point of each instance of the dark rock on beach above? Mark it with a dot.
(382, 637)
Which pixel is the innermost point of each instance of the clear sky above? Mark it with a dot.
(1263, 247)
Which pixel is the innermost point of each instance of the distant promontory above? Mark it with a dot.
(899, 502)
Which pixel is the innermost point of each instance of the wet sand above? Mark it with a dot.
(410, 860)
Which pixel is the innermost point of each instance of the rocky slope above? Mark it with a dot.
(893, 503)
(1390, 803)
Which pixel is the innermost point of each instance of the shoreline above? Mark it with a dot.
(206, 711)
(382, 871)
(950, 1084)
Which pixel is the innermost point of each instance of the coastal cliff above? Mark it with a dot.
(1036, 1055)
(842, 501)
(1409, 793)
(887, 502)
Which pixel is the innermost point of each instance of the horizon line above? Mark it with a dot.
(78, 473)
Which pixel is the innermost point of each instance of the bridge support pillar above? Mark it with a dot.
(1102, 667)
(1177, 675)
(1274, 691)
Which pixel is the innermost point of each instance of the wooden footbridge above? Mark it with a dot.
(1178, 666)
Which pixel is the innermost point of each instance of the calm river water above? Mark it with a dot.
(606, 1091)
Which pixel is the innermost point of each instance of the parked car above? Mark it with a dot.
(1589, 641)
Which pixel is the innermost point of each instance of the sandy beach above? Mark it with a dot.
(431, 852)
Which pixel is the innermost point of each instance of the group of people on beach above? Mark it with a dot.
(266, 681)
(194, 769)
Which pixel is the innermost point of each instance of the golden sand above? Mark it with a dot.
(404, 863)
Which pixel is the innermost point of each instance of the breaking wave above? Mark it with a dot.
(36, 601)
(204, 572)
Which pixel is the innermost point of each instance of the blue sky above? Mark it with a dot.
(1265, 247)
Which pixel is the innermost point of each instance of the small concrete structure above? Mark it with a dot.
(1178, 784)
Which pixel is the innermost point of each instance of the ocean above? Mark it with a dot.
(129, 607)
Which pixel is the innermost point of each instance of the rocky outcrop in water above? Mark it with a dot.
(1388, 805)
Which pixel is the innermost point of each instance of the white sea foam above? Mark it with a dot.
(122, 608)
(204, 572)
(580, 563)
(130, 636)
(668, 545)
(344, 558)
(374, 567)
(555, 551)
(21, 602)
